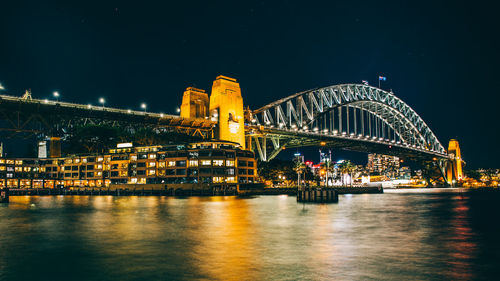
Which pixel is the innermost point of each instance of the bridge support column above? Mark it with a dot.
(454, 171)
(226, 104)
(194, 103)
(55, 147)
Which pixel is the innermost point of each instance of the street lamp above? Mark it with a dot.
(102, 101)
(144, 106)
(56, 95)
(2, 87)
(178, 110)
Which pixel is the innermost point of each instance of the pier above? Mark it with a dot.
(318, 195)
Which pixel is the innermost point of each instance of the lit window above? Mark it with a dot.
(230, 163)
(2, 161)
(193, 163)
(218, 162)
(142, 181)
(171, 163)
(217, 179)
(231, 179)
(133, 180)
(84, 160)
(151, 172)
(152, 156)
(19, 169)
(133, 158)
(161, 164)
(77, 160)
(19, 162)
(152, 164)
(2, 168)
(27, 169)
(99, 159)
(205, 162)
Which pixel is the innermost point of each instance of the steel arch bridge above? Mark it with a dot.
(349, 116)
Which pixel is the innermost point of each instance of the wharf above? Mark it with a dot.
(122, 192)
(137, 190)
(293, 190)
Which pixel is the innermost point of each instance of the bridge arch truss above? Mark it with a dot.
(349, 112)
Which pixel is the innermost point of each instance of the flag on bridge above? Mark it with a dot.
(364, 82)
(382, 78)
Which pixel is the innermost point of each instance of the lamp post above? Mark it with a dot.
(144, 106)
(56, 95)
(102, 101)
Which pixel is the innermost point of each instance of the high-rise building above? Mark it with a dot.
(381, 163)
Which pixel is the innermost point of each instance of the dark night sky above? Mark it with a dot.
(440, 58)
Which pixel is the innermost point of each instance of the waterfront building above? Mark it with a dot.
(208, 163)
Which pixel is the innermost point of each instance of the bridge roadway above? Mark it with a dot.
(280, 139)
(37, 116)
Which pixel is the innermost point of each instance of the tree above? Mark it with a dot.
(99, 138)
(328, 169)
(299, 168)
(273, 169)
(92, 138)
(347, 167)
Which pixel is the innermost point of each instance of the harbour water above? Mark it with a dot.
(407, 235)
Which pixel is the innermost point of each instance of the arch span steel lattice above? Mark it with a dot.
(361, 115)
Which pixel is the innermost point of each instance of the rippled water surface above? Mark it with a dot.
(391, 236)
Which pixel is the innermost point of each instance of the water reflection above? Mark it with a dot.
(381, 236)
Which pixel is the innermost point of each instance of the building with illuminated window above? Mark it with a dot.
(382, 163)
(208, 164)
